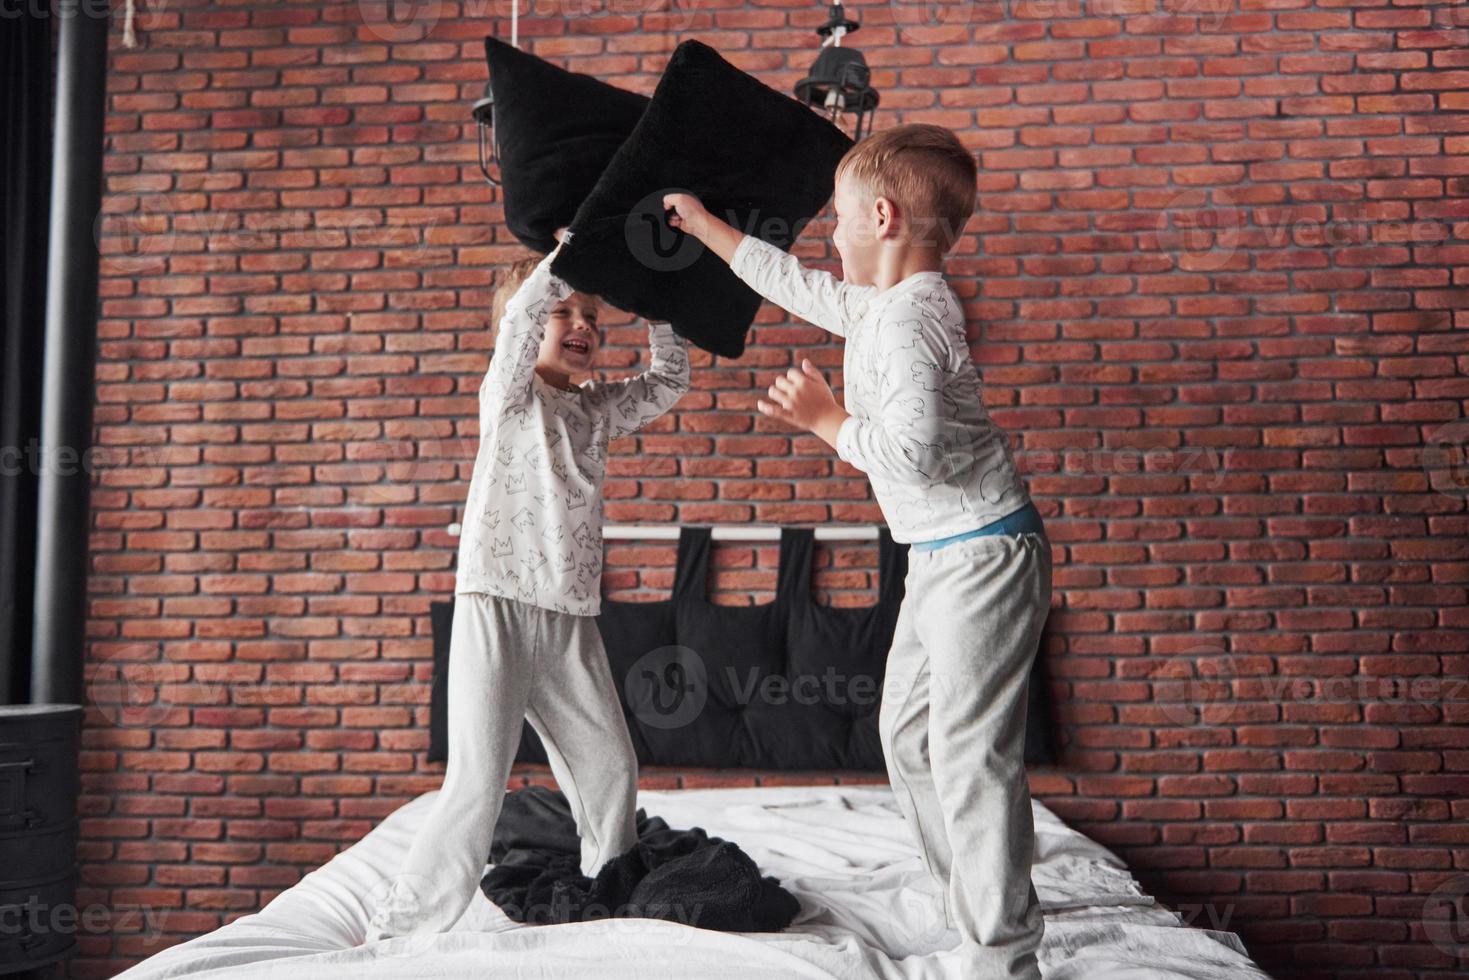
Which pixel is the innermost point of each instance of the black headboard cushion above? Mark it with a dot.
(1040, 736)
(788, 684)
(441, 615)
(836, 656)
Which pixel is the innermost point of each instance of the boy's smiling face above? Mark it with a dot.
(571, 339)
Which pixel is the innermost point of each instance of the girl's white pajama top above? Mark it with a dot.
(532, 528)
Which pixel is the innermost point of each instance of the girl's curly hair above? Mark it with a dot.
(508, 281)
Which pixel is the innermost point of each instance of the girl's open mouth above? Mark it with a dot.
(577, 345)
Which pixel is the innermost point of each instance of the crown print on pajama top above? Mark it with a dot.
(532, 527)
(919, 429)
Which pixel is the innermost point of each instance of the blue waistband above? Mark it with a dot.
(1026, 520)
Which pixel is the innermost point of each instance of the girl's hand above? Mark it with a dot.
(804, 399)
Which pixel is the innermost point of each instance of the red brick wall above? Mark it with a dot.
(1217, 283)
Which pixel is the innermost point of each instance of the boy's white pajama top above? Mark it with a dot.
(952, 714)
(525, 643)
(918, 427)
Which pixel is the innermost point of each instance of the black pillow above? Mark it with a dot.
(756, 158)
(556, 130)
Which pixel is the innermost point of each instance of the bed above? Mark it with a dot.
(868, 909)
(843, 851)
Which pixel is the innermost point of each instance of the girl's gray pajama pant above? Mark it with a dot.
(509, 660)
(952, 722)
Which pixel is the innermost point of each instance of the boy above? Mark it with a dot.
(524, 642)
(952, 718)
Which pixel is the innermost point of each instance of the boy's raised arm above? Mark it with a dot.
(815, 296)
(521, 328)
(634, 402)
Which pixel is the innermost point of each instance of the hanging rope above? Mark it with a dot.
(129, 36)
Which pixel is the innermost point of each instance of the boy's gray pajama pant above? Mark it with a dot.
(952, 722)
(509, 661)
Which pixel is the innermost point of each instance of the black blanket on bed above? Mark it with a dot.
(680, 875)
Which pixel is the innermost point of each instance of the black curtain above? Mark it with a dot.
(25, 198)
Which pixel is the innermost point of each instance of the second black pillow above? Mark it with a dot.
(756, 158)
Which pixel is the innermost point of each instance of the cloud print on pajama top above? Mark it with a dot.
(918, 428)
(532, 527)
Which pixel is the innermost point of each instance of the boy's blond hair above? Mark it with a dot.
(925, 171)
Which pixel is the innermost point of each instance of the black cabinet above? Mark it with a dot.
(39, 783)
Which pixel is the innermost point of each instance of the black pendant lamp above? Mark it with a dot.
(484, 112)
(489, 150)
(840, 83)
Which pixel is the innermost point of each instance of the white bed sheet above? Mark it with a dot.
(866, 911)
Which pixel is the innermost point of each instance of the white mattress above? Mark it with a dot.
(842, 850)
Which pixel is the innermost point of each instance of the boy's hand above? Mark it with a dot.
(804, 399)
(689, 214)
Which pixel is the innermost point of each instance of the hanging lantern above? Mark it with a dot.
(840, 82)
(484, 112)
(489, 150)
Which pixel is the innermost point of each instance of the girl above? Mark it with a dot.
(525, 642)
